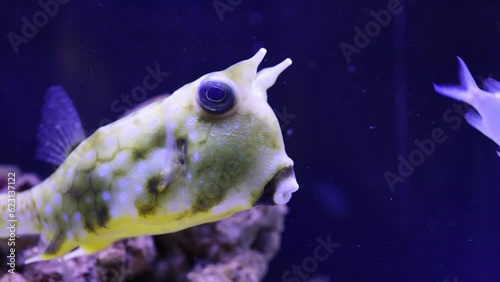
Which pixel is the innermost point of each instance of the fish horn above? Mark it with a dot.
(267, 77)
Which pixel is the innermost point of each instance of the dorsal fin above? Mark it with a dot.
(60, 130)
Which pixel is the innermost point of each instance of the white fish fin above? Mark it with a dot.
(33, 259)
(491, 85)
(88, 249)
(83, 250)
(78, 252)
(60, 130)
(465, 91)
(476, 121)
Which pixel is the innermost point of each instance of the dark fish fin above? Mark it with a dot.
(60, 130)
(491, 85)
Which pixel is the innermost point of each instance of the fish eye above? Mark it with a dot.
(215, 97)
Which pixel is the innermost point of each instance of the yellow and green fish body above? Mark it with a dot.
(212, 148)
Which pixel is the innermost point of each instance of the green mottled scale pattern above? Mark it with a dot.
(94, 183)
(165, 167)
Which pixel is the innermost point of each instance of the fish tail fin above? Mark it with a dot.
(466, 91)
(18, 214)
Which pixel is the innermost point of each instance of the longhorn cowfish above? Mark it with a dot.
(212, 148)
(486, 102)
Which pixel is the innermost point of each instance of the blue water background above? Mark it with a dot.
(351, 120)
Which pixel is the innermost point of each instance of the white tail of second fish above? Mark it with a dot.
(486, 103)
(464, 92)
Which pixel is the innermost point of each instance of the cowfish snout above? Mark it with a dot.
(279, 189)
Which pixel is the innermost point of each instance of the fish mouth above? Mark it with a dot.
(279, 189)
